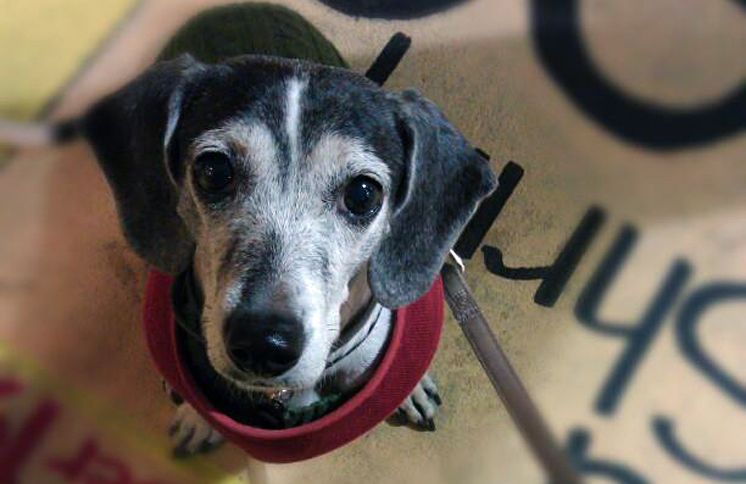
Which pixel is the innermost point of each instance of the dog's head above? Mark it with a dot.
(286, 185)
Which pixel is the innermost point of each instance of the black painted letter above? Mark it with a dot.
(639, 335)
(553, 277)
(577, 448)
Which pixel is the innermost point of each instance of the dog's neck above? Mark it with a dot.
(354, 359)
(358, 300)
(359, 348)
(364, 330)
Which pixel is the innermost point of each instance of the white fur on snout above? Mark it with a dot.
(308, 293)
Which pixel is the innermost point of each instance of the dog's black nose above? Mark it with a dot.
(263, 343)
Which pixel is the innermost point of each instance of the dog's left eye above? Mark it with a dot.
(362, 196)
(213, 172)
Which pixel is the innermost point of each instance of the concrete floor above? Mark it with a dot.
(70, 288)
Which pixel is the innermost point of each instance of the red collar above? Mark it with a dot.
(416, 332)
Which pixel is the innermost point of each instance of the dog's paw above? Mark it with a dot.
(191, 434)
(419, 409)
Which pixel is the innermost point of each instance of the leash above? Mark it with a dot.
(504, 379)
(485, 346)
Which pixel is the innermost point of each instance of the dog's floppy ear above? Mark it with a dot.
(444, 181)
(130, 131)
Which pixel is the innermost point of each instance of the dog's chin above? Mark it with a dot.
(267, 385)
(290, 381)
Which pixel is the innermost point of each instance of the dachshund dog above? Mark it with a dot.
(298, 203)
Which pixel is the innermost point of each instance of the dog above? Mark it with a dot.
(299, 203)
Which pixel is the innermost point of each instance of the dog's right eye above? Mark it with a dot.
(213, 172)
(362, 196)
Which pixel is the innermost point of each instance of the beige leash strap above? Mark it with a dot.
(505, 380)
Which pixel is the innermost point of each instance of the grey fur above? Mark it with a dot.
(296, 132)
(445, 181)
(127, 130)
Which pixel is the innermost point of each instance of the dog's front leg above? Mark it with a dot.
(189, 432)
(419, 409)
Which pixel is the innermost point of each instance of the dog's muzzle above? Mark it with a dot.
(178, 350)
